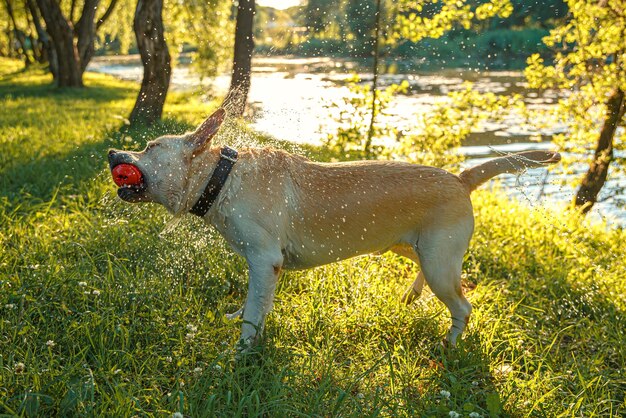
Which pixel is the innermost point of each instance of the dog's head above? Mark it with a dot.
(164, 164)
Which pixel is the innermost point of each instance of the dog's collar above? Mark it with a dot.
(228, 158)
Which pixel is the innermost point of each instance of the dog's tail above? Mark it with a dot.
(513, 163)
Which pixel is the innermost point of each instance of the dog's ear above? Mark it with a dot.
(202, 136)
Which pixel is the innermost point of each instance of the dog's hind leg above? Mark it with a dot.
(441, 254)
(235, 315)
(415, 290)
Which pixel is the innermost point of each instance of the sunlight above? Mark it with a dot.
(279, 4)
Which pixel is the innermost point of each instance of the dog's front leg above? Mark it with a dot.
(264, 269)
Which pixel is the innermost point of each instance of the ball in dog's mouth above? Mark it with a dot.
(130, 181)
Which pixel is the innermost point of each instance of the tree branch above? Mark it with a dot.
(72, 9)
(106, 14)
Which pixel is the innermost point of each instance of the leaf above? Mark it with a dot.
(494, 405)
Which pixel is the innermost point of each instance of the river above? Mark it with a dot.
(291, 100)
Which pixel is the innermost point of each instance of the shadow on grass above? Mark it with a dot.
(31, 84)
(277, 382)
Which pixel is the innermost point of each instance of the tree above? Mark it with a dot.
(73, 41)
(318, 14)
(46, 53)
(19, 35)
(590, 64)
(242, 60)
(205, 25)
(155, 57)
(371, 129)
(412, 26)
(361, 18)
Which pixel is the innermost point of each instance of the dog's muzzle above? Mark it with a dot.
(128, 193)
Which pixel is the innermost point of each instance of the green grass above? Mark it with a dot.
(101, 316)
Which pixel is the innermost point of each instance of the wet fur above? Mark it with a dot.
(283, 211)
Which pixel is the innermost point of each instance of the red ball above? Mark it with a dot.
(126, 175)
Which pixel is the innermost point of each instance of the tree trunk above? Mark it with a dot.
(242, 60)
(71, 58)
(35, 45)
(106, 14)
(85, 32)
(595, 178)
(69, 73)
(47, 53)
(370, 131)
(155, 57)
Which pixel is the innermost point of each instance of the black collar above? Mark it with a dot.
(228, 158)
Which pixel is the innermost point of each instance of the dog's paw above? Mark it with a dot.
(247, 349)
(235, 315)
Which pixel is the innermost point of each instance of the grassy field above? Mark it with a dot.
(102, 316)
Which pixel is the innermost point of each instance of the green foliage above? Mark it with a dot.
(438, 133)
(590, 65)
(410, 25)
(274, 29)
(483, 49)
(447, 34)
(202, 27)
(206, 27)
(443, 130)
(360, 19)
(318, 14)
(117, 35)
(354, 114)
(536, 13)
(497, 46)
(103, 317)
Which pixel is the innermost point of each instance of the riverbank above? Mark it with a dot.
(102, 316)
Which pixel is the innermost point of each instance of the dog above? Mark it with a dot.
(282, 211)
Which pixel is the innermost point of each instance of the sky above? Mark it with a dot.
(279, 4)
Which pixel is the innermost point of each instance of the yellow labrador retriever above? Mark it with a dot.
(282, 211)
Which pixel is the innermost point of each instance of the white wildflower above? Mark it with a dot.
(454, 414)
(189, 336)
(19, 368)
(95, 292)
(168, 359)
(475, 415)
(192, 328)
(445, 394)
(197, 370)
(360, 395)
(217, 367)
(50, 343)
(82, 284)
(10, 306)
(177, 415)
(504, 369)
